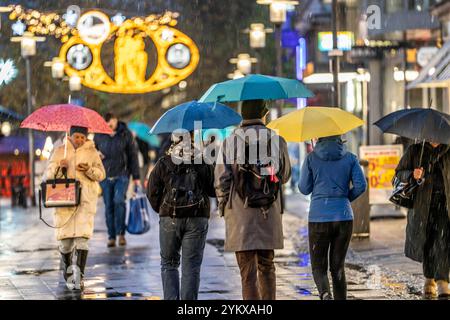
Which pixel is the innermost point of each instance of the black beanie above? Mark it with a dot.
(82, 130)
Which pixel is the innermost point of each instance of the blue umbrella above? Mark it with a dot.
(211, 115)
(142, 132)
(256, 86)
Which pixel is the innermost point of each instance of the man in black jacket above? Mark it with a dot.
(183, 223)
(118, 152)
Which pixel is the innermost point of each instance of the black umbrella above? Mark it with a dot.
(6, 114)
(424, 124)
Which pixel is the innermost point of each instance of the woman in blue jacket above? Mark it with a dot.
(335, 178)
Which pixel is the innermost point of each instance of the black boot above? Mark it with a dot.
(81, 263)
(66, 259)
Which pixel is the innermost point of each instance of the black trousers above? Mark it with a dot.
(437, 245)
(329, 241)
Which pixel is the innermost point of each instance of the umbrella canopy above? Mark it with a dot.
(314, 122)
(183, 116)
(142, 131)
(60, 117)
(256, 86)
(6, 114)
(418, 123)
(220, 134)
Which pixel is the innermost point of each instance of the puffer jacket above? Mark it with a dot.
(327, 173)
(78, 221)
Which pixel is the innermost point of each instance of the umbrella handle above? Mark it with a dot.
(421, 153)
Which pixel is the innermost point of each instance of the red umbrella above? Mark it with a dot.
(60, 117)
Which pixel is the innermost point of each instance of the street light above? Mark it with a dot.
(244, 62)
(278, 9)
(28, 49)
(257, 36)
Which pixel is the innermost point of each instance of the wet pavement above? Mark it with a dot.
(29, 263)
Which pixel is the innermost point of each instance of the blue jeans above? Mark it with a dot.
(115, 196)
(189, 236)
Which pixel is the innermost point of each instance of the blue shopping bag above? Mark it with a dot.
(139, 215)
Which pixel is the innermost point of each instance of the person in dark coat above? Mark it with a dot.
(428, 226)
(327, 173)
(119, 154)
(183, 230)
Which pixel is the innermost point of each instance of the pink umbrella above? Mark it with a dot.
(60, 117)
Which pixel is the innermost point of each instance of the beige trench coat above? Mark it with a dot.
(246, 228)
(78, 221)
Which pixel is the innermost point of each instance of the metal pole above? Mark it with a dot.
(405, 65)
(30, 133)
(335, 58)
(258, 64)
(279, 57)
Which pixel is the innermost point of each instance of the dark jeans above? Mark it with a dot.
(257, 274)
(187, 235)
(330, 241)
(437, 249)
(115, 196)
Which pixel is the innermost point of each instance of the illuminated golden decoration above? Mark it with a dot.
(177, 54)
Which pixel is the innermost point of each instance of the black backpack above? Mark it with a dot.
(255, 189)
(184, 193)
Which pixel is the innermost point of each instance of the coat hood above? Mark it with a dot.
(330, 149)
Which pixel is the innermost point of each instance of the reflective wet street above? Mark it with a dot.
(29, 263)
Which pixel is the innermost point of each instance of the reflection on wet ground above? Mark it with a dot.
(29, 265)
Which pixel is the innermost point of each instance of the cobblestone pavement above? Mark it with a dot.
(29, 263)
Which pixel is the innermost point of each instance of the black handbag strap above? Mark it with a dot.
(49, 225)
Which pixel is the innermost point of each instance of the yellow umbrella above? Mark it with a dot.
(314, 122)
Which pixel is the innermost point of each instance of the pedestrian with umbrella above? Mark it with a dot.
(179, 188)
(327, 173)
(249, 190)
(76, 159)
(425, 169)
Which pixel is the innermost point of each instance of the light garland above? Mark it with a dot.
(54, 24)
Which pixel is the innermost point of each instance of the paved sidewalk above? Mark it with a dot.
(381, 256)
(29, 263)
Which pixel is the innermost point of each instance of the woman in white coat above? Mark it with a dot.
(75, 225)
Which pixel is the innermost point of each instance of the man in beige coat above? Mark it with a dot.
(252, 233)
(75, 225)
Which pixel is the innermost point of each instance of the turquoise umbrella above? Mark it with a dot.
(142, 131)
(220, 134)
(256, 86)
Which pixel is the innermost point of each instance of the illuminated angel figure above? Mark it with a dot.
(130, 59)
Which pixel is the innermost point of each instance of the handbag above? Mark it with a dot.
(139, 214)
(58, 192)
(404, 192)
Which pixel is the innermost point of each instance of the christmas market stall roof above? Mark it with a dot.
(14, 144)
(9, 115)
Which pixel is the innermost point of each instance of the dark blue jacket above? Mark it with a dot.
(327, 173)
(120, 151)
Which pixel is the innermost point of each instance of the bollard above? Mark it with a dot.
(361, 209)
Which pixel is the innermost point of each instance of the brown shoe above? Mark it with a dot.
(122, 241)
(430, 289)
(443, 290)
(111, 243)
